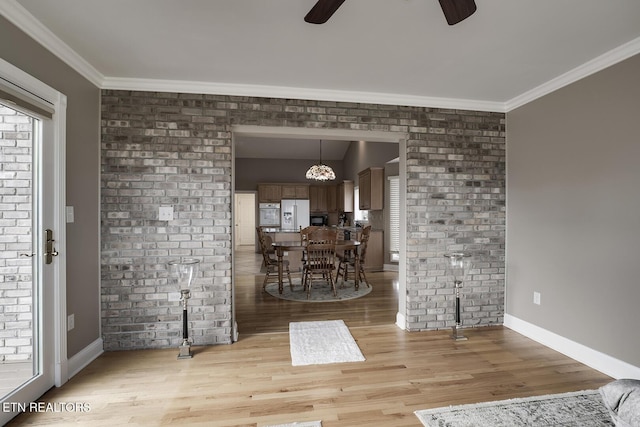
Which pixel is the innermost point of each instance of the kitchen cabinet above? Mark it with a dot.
(345, 196)
(295, 191)
(374, 259)
(332, 198)
(269, 193)
(371, 189)
(318, 198)
(274, 193)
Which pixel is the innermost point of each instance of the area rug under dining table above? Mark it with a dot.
(320, 292)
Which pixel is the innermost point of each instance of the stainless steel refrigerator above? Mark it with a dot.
(294, 214)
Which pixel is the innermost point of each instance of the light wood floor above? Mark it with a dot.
(252, 382)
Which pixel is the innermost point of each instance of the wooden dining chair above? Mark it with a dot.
(305, 232)
(347, 260)
(261, 234)
(304, 237)
(270, 262)
(320, 263)
(324, 233)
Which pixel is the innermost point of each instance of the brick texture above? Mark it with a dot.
(175, 149)
(16, 184)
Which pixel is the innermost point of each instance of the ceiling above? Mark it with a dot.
(399, 52)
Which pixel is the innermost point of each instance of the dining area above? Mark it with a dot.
(316, 260)
(261, 308)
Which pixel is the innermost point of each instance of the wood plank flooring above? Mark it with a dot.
(252, 382)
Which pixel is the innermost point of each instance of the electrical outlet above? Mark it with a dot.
(71, 322)
(536, 298)
(165, 213)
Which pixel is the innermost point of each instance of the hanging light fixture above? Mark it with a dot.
(320, 171)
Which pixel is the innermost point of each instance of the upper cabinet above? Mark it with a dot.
(295, 191)
(274, 193)
(331, 198)
(345, 196)
(318, 198)
(269, 193)
(371, 189)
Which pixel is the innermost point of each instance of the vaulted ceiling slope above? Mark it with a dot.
(399, 52)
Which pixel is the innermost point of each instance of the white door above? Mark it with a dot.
(245, 216)
(31, 272)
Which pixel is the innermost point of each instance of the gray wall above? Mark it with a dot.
(250, 172)
(83, 169)
(359, 156)
(362, 155)
(573, 179)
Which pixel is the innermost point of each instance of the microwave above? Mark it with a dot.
(319, 220)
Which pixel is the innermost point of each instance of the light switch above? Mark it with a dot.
(165, 213)
(69, 214)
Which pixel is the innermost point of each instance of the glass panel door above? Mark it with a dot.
(18, 263)
(26, 281)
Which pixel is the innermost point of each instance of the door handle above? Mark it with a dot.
(49, 250)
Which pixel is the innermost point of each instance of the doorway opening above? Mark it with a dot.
(256, 311)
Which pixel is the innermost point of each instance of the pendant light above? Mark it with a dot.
(320, 171)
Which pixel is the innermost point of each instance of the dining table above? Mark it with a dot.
(298, 246)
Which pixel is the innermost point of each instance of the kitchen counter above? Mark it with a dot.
(279, 230)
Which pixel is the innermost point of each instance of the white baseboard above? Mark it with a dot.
(390, 267)
(234, 336)
(604, 363)
(84, 357)
(401, 321)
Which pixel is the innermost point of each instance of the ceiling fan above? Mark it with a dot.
(454, 10)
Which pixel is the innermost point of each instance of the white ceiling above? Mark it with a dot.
(399, 52)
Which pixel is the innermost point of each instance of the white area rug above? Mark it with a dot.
(578, 409)
(301, 424)
(318, 343)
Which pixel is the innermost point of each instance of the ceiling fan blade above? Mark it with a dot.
(457, 10)
(322, 11)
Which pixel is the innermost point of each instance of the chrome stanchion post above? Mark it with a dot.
(184, 273)
(458, 266)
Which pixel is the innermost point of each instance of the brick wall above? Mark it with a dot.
(15, 236)
(175, 149)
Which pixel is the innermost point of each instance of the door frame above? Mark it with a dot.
(37, 92)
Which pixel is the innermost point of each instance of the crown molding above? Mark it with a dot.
(20, 17)
(599, 63)
(28, 24)
(286, 92)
